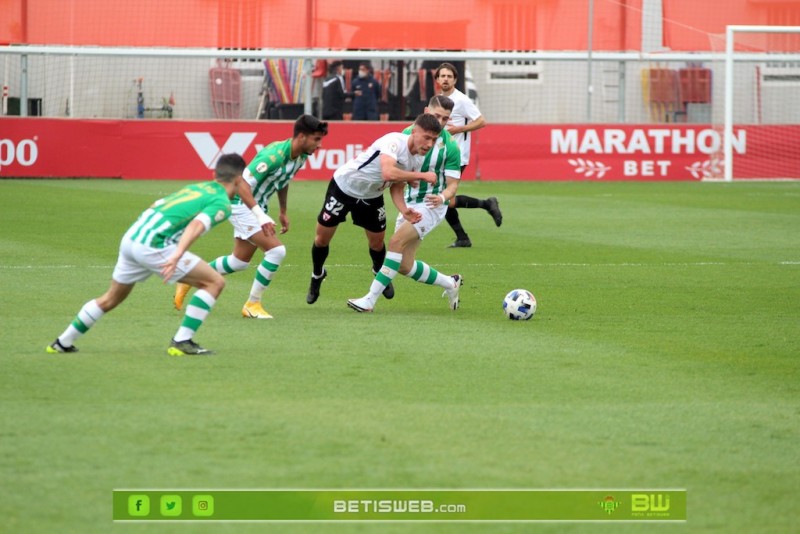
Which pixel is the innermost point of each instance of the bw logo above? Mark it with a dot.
(652, 502)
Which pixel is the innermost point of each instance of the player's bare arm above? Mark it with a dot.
(195, 229)
(283, 201)
(448, 194)
(245, 193)
(471, 126)
(396, 191)
(392, 173)
(264, 220)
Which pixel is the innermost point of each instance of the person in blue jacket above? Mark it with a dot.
(367, 92)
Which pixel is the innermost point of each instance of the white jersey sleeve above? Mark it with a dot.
(464, 112)
(361, 177)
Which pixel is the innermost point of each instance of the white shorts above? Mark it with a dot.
(137, 262)
(431, 218)
(244, 222)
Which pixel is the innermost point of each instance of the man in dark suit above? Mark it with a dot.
(333, 93)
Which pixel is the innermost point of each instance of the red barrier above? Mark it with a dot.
(352, 25)
(367, 25)
(161, 149)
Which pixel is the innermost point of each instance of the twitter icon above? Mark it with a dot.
(171, 505)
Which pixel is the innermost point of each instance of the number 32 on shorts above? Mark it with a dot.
(334, 207)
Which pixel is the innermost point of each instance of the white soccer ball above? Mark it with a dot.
(519, 305)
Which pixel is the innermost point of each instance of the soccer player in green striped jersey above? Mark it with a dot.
(430, 202)
(356, 189)
(158, 243)
(269, 173)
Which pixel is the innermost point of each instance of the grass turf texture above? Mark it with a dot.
(664, 353)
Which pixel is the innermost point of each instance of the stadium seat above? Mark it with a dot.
(695, 93)
(226, 92)
(422, 76)
(383, 77)
(664, 100)
(320, 69)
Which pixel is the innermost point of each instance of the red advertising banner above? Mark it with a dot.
(158, 149)
(632, 152)
(187, 150)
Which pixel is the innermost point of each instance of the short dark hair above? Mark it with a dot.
(229, 167)
(448, 66)
(429, 123)
(333, 66)
(442, 101)
(308, 124)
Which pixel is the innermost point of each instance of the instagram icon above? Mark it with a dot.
(203, 505)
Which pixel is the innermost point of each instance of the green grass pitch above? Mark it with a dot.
(664, 354)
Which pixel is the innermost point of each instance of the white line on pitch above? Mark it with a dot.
(554, 264)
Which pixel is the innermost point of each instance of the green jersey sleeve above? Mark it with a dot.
(271, 170)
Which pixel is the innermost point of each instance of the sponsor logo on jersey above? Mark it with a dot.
(220, 216)
(261, 167)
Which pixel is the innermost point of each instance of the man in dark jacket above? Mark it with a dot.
(367, 92)
(333, 93)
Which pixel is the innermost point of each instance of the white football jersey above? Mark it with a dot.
(464, 111)
(361, 177)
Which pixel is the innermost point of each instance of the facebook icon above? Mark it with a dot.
(138, 505)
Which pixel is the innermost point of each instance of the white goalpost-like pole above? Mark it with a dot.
(728, 128)
(4, 97)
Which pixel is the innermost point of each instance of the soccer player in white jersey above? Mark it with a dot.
(357, 188)
(430, 201)
(465, 119)
(158, 243)
(269, 173)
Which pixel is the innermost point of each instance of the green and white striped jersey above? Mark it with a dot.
(444, 159)
(271, 170)
(163, 223)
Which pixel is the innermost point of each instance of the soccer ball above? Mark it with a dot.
(519, 305)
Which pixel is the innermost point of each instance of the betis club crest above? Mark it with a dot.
(609, 504)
